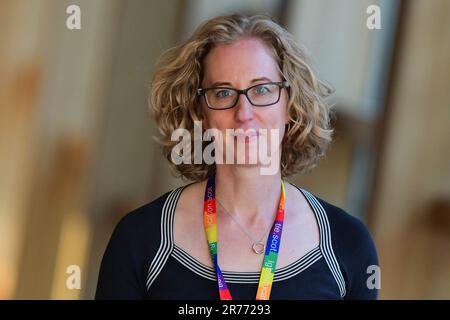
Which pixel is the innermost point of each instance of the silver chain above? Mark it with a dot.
(240, 226)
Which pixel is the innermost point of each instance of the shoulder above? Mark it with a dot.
(354, 248)
(144, 222)
(348, 231)
(133, 243)
(136, 234)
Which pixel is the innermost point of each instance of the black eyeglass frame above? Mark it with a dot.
(281, 84)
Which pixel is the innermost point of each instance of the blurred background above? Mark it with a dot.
(76, 147)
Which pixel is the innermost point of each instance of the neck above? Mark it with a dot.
(246, 193)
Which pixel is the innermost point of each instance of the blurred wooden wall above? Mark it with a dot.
(51, 95)
(410, 211)
(22, 50)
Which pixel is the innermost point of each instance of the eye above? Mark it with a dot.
(223, 93)
(262, 89)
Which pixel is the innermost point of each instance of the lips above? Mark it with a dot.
(251, 134)
(247, 137)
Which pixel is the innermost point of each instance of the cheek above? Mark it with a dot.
(221, 120)
(207, 116)
(284, 107)
(277, 117)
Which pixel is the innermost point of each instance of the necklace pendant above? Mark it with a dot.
(258, 247)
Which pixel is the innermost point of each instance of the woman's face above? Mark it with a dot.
(240, 65)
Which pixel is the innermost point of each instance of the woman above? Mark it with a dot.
(236, 232)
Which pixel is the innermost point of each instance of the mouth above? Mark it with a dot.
(247, 133)
(246, 138)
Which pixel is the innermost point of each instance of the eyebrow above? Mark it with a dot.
(217, 84)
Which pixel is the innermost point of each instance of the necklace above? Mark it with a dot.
(258, 246)
(272, 247)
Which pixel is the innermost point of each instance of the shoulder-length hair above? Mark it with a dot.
(174, 102)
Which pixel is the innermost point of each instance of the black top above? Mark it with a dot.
(141, 260)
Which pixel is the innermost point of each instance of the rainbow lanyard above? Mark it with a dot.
(272, 247)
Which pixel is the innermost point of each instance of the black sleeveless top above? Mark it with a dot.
(141, 260)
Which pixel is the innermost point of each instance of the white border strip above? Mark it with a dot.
(246, 277)
(166, 245)
(325, 240)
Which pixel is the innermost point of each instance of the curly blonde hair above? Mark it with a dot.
(174, 102)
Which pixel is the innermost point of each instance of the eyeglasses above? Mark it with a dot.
(260, 95)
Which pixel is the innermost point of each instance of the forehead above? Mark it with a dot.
(240, 62)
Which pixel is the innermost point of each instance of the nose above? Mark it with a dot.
(244, 109)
